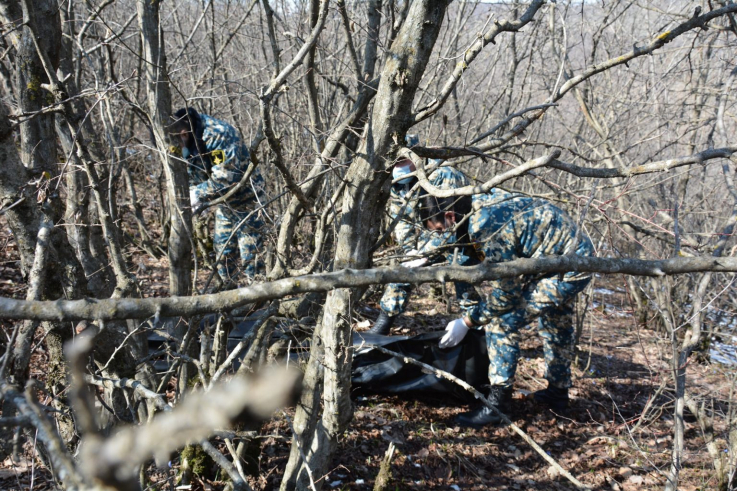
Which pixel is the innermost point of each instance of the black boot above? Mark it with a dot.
(554, 397)
(500, 397)
(383, 324)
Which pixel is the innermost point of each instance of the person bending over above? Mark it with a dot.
(409, 234)
(502, 227)
(217, 160)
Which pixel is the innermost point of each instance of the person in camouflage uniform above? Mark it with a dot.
(412, 238)
(217, 160)
(502, 227)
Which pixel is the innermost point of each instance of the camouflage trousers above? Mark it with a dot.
(550, 300)
(396, 296)
(238, 247)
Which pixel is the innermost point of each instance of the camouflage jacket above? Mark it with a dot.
(506, 226)
(230, 159)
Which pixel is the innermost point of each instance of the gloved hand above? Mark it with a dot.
(455, 331)
(194, 200)
(415, 263)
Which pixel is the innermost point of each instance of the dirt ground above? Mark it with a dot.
(616, 435)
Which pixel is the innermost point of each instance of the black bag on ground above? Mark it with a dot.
(374, 371)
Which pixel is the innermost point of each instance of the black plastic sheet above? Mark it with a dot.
(375, 371)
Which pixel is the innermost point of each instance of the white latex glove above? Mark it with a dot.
(455, 331)
(416, 263)
(194, 200)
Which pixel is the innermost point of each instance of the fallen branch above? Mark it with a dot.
(136, 308)
(385, 469)
(114, 461)
(235, 476)
(61, 460)
(271, 311)
(138, 388)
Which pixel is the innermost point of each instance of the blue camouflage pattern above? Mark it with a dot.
(411, 235)
(411, 140)
(506, 226)
(240, 252)
(238, 237)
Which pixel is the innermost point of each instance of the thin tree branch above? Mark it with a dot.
(346, 23)
(282, 76)
(60, 458)
(483, 188)
(470, 55)
(695, 22)
(224, 463)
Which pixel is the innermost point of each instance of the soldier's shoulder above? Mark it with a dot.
(447, 171)
(499, 198)
(216, 126)
(497, 207)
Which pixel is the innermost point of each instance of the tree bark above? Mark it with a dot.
(180, 238)
(367, 192)
(177, 183)
(36, 159)
(80, 233)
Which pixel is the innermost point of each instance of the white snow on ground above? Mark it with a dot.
(724, 353)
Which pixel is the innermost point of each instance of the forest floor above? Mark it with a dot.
(617, 434)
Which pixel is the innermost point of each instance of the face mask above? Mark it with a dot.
(400, 171)
(185, 152)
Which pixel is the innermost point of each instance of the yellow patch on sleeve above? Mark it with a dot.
(218, 157)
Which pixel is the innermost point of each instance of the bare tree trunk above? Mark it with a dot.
(62, 275)
(179, 250)
(177, 183)
(79, 231)
(38, 151)
(365, 199)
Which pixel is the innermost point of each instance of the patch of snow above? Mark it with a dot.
(723, 353)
